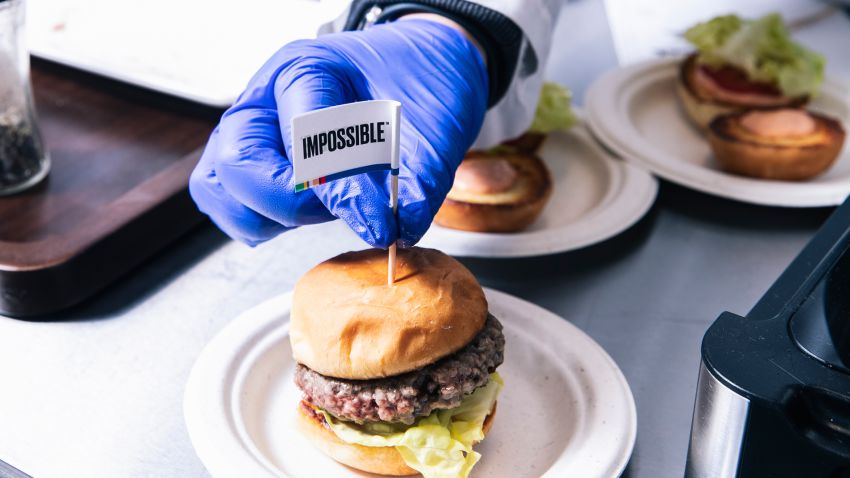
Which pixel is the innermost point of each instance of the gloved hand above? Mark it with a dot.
(244, 180)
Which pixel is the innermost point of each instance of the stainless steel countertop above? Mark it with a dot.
(98, 391)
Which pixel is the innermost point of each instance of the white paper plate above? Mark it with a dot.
(566, 409)
(594, 197)
(635, 111)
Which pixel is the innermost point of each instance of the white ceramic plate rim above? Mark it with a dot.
(608, 118)
(631, 193)
(211, 408)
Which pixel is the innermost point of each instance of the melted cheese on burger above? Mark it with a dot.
(485, 176)
(779, 123)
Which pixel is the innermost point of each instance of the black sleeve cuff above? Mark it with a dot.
(497, 34)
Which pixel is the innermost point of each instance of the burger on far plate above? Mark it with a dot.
(505, 188)
(745, 64)
(398, 379)
(503, 191)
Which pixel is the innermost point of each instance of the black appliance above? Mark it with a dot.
(773, 398)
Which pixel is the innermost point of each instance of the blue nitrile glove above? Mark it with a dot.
(244, 180)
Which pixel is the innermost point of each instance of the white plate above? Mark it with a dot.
(566, 409)
(635, 111)
(202, 50)
(594, 197)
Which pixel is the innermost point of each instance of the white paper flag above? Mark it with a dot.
(341, 141)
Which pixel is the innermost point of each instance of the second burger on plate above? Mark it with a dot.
(505, 189)
(745, 64)
(396, 379)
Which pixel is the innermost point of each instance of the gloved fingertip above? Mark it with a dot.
(248, 242)
(414, 221)
(407, 243)
(378, 235)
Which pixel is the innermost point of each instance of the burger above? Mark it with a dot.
(501, 191)
(397, 379)
(745, 64)
(505, 188)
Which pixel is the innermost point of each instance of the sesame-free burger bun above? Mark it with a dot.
(381, 460)
(348, 323)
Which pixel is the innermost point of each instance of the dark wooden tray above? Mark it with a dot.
(116, 193)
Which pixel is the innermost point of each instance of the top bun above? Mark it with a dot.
(348, 323)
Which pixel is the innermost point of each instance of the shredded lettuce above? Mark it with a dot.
(763, 49)
(553, 109)
(439, 445)
(711, 35)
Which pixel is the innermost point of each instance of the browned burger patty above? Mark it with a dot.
(405, 397)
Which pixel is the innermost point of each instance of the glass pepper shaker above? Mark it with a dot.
(23, 159)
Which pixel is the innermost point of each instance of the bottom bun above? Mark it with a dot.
(784, 158)
(380, 460)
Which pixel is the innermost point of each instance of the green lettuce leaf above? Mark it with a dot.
(553, 110)
(439, 445)
(711, 35)
(763, 49)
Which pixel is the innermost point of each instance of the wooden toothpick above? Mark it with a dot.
(394, 165)
(393, 248)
